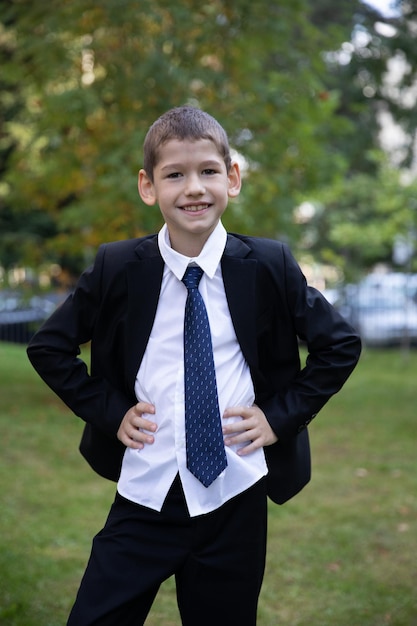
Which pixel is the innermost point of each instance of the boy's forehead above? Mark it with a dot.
(181, 148)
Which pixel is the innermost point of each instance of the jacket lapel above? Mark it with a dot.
(239, 277)
(144, 278)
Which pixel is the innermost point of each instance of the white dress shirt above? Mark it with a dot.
(148, 474)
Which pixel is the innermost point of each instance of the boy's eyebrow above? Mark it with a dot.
(170, 166)
(209, 163)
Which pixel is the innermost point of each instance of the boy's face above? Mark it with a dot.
(192, 187)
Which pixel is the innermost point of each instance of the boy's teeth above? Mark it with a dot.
(200, 207)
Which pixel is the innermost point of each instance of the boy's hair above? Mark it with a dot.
(184, 122)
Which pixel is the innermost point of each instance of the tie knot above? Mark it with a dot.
(192, 276)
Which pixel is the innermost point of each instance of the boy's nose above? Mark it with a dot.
(194, 186)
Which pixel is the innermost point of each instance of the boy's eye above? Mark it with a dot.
(174, 175)
(209, 171)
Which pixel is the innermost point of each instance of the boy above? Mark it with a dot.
(167, 519)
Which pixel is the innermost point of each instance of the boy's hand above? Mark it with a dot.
(132, 429)
(252, 431)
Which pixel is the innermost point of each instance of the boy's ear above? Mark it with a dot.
(146, 188)
(235, 182)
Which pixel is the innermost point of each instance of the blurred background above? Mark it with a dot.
(318, 99)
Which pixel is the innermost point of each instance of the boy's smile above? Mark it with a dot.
(192, 187)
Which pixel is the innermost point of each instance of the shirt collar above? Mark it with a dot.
(208, 259)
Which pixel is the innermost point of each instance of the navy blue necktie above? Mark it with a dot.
(206, 455)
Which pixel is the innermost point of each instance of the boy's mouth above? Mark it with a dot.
(194, 208)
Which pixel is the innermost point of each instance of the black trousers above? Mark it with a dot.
(218, 561)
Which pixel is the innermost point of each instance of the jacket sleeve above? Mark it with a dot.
(54, 352)
(297, 393)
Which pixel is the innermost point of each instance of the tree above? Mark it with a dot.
(94, 76)
(375, 211)
(358, 217)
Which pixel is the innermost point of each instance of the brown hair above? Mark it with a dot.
(184, 122)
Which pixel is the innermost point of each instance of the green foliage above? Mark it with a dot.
(346, 544)
(94, 77)
(359, 216)
(82, 81)
(357, 219)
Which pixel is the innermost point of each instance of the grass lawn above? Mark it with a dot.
(342, 553)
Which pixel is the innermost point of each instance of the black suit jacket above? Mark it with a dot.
(272, 308)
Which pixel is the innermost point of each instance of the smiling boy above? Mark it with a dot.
(191, 185)
(165, 521)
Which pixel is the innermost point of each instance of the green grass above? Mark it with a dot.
(342, 553)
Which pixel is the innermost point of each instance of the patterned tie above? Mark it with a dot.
(206, 455)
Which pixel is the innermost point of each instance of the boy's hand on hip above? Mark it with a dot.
(135, 430)
(253, 430)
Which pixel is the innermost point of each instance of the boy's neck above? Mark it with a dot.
(189, 245)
